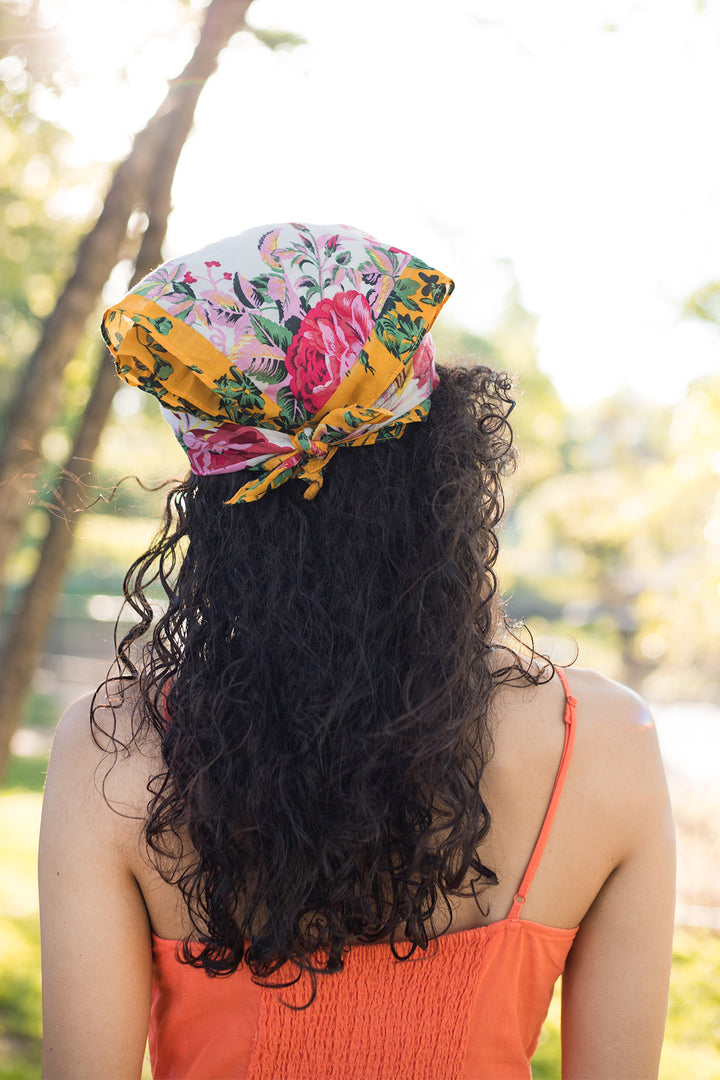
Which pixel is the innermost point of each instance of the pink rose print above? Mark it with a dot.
(325, 347)
(189, 279)
(422, 364)
(226, 448)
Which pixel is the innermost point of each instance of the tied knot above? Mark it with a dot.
(308, 444)
(311, 447)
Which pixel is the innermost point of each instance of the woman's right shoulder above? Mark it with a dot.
(616, 771)
(617, 759)
(609, 715)
(611, 718)
(620, 821)
(605, 702)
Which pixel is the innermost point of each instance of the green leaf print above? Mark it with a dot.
(292, 411)
(271, 333)
(163, 326)
(417, 264)
(162, 368)
(254, 300)
(267, 370)
(405, 287)
(239, 397)
(364, 359)
(399, 333)
(381, 260)
(403, 294)
(183, 287)
(433, 290)
(260, 283)
(153, 384)
(357, 418)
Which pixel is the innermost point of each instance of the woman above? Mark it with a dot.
(327, 822)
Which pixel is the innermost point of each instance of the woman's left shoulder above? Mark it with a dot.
(98, 769)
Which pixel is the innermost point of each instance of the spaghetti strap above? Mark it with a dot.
(570, 718)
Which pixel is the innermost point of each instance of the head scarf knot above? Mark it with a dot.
(270, 350)
(311, 449)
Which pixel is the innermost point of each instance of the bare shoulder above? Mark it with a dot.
(616, 768)
(612, 719)
(95, 930)
(99, 767)
(608, 703)
(617, 761)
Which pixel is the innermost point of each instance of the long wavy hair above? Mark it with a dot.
(320, 682)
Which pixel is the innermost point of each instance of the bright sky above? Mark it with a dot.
(571, 146)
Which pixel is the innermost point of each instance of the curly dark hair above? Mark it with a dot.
(320, 683)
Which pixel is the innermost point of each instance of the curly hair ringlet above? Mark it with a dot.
(320, 683)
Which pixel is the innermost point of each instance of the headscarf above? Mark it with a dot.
(270, 350)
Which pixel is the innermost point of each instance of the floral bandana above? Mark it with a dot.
(271, 349)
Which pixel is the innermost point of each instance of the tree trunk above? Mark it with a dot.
(21, 651)
(35, 404)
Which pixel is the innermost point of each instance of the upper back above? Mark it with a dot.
(591, 831)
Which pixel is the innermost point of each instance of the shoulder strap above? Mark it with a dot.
(570, 718)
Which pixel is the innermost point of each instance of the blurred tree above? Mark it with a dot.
(622, 547)
(36, 399)
(613, 537)
(539, 419)
(35, 245)
(144, 179)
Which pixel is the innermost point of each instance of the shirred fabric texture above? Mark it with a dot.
(271, 349)
(469, 1008)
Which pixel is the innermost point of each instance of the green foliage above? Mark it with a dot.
(704, 303)
(26, 773)
(20, 1002)
(692, 1031)
(37, 233)
(692, 1041)
(547, 1057)
(614, 534)
(20, 1012)
(692, 1047)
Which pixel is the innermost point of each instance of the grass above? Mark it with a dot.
(692, 1043)
(691, 1050)
(20, 1013)
(25, 774)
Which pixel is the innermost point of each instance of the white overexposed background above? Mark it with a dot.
(569, 146)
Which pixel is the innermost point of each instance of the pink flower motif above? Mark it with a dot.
(226, 449)
(228, 277)
(327, 344)
(268, 248)
(189, 279)
(422, 365)
(212, 262)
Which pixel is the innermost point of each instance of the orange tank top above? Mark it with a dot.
(470, 1006)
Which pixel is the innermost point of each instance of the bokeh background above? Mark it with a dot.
(560, 161)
